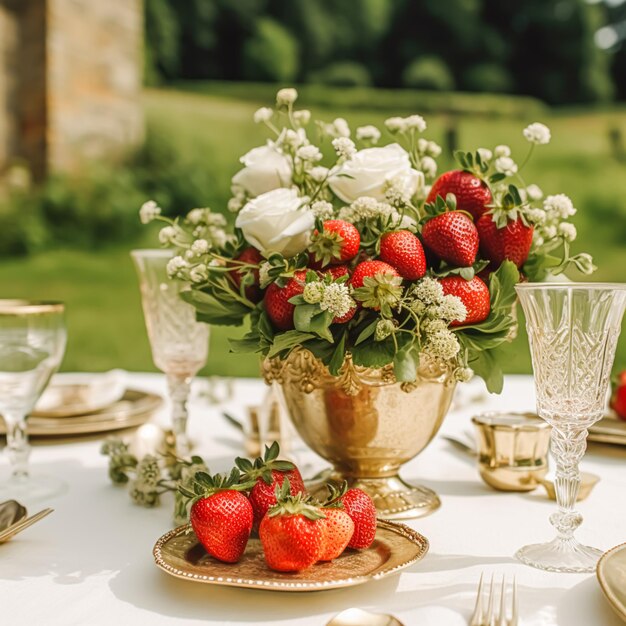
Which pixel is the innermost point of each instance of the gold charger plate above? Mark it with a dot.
(396, 546)
(133, 409)
(611, 572)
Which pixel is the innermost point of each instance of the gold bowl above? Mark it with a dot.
(366, 424)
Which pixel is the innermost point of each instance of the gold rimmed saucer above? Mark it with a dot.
(611, 572)
(396, 546)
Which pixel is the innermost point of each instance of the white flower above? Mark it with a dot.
(537, 133)
(264, 274)
(292, 138)
(369, 170)
(395, 124)
(196, 216)
(506, 165)
(549, 232)
(276, 221)
(534, 192)
(302, 117)
(560, 204)
(200, 246)
(309, 153)
(429, 291)
(341, 128)
(264, 114)
(344, 147)
(365, 208)
(148, 211)
(428, 165)
(485, 155)
(538, 240)
(199, 273)
(567, 230)
(502, 151)
(336, 299)
(313, 292)
(538, 216)
(433, 149)
(234, 204)
(318, 173)
(175, 265)
(442, 345)
(322, 209)
(415, 122)
(287, 96)
(167, 234)
(266, 168)
(452, 309)
(463, 374)
(368, 133)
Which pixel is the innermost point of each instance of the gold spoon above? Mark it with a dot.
(18, 527)
(358, 617)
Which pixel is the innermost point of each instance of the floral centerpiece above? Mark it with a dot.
(349, 247)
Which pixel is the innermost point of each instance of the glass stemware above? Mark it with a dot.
(573, 330)
(32, 344)
(179, 343)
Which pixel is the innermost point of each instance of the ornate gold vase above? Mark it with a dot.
(366, 424)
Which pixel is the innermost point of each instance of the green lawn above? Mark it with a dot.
(104, 314)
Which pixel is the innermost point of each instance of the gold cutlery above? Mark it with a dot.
(359, 617)
(493, 616)
(18, 527)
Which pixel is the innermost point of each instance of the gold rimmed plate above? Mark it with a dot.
(133, 409)
(396, 546)
(611, 572)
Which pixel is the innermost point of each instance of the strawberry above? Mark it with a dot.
(377, 285)
(346, 317)
(292, 533)
(473, 293)
(221, 516)
(362, 511)
(337, 271)
(510, 242)
(368, 269)
(337, 243)
(403, 250)
(276, 301)
(453, 237)
(253, 290)
(472, 194)
(618, 401)
(338, 531)
(265, 474)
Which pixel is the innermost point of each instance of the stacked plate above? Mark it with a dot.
(86, 404)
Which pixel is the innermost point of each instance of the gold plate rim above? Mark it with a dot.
(615, 603)
(404, 531)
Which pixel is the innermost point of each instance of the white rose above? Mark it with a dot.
(265, 169)
(369, 170)
(276, 221)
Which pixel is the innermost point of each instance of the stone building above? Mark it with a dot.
(70, 81)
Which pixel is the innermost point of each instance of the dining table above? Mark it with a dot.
(90, 562)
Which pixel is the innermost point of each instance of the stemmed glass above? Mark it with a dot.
(32, 344)
(572, 330)
(179, 343)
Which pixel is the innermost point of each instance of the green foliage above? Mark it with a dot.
(342, 74)
(490, 77)
(428, 72)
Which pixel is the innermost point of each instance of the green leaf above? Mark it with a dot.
(338, 356)
(497, 177)
(309, 318)
(366, 333)
(374, 353)
(288, 340)
(485, 365)
(248, 343)
(406, 362)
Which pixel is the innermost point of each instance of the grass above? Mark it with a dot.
(105, 322)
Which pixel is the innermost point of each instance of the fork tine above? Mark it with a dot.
(489, 619)
(514, 614)
(477, 616)
(502, 619)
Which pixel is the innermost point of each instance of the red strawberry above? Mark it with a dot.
(368, 269)
(265, 474)
(453, 237)
(337, 271)
(292, 533)
(338, 242)
(511, 242)
(276, 301)
(472, 194)
(360, 507)
(338, 531)
(253, 291)
(618, 401)
(403, 250)
(221, 516)
(346, 317)
(473, 293)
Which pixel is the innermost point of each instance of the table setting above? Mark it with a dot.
(384, 469)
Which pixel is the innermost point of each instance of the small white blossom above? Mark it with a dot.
(322, 209)
(199, 273)
(429, 291)
(397, 192)
(175, 265)
(234, 204)
(428, 165)
(452, 309)
(415, 122)
(344, 147)
(502, 151)
(485, 155)
(264, 276)
(506, 165)
(302, 117)
(293, 138)
(463, 374)
(149, 210)
(549, 232)
(200, 246)
(567, 230)
(310, 154)
(442, 345)
(167, 234)
(365, 208)
(368, 133)
(264, 114)
(534, 192)
(196, 216)
(395, 124)
(384, 328)
(336, 299)
(560, 204)
(341, 128)
(318, 173)
(313, 292)
(584, 262)
(286, 97)
(537, 216)
(433, 149)
(537, 133)
(538, 239)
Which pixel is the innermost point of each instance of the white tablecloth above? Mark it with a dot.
(90, 562)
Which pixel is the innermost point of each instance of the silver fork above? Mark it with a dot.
(490, 617)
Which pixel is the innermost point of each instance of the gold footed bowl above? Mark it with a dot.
(366, 424)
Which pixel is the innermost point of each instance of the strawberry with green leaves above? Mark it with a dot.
(336, 243)
(292, 532)
(474, 294)
(377, 285)
(276, 301)
(248, 275)
(221, 515)
(471, 192)
(338, 525)
(404, 251)
(264, 475)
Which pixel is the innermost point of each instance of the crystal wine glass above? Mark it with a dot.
(572, 330)
(179, 343)
(32, 344)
